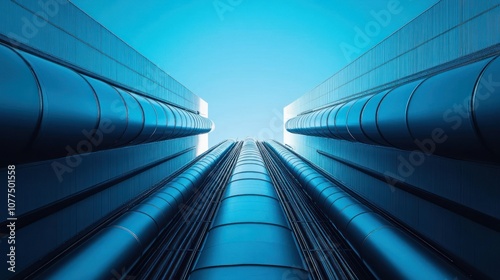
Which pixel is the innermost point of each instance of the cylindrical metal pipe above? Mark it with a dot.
(387, 251)
(250, 237)
(452, 114)
(54, 111)
(118, 246)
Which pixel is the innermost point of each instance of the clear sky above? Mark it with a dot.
(250, 58)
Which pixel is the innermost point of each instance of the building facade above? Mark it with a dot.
(411, 126)
(88, 124)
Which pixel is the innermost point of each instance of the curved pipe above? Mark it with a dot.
(452, 114)
(49, 111)
(118, 246)
(387, 251)
(250, 237)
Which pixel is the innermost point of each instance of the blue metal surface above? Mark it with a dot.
(64, 108)
(444, 108)
(17, 82)
(87, 49)
(118, 246)
(250, 237)
(485, 102)
(387, 251)
(443, 102)
(62, 124)
(78, 40)
(413, 53)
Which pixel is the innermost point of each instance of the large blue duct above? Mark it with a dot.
(250, 237)
(50, 108)
(452, 114)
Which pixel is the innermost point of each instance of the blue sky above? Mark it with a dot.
(249, 59)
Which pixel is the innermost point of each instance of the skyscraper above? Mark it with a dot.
(411, 126)
(88, 122)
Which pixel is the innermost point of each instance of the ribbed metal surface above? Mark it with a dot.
(441, 109)
(71, 76)
(469, 184)
(61, 30)
(123, 242)
(389, 252)
(173, 253)
(250, 237)
(326, 252)
(65, 111)
(413, 51)
(42, 187)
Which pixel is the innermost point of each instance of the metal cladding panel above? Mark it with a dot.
(348, 213)
(69, 106)
(161, 120)
(170, 129)
(324, 191)
(135, 118)
(248, 187)
(113, 115)
(256, 176)
(250, 167)
(371, 251)
(139, 225)
(250, 228)
(150, 120)
(341, 121)
(391, 116)
(362, 225)
(177, 122)
(170, 195)
(93, 262)
(354, 120)
(155, 208)
(182, 121)
(250, 209)
(331, 121)
(186, 123)
(17, 82)
(369, 119)
(250, 272)
(323, 122)
(249, 244)
(485, 106)
(442, 105)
